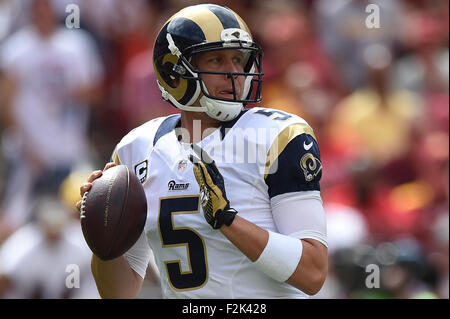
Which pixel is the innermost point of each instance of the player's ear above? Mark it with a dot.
(194, 60)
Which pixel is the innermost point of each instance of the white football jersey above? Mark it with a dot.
(261, 154)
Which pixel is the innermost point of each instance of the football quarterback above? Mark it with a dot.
(234, 204)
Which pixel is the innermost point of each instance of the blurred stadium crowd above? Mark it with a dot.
(377, 98)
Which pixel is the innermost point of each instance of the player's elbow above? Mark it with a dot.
(312, 270)
(315, 283)
(310, 283)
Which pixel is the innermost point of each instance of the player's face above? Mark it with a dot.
(222, 61)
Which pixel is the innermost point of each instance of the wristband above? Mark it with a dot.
(280, 257)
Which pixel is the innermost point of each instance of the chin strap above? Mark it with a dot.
(221, 110)
(168, 97)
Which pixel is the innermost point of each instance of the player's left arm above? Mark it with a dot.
(297, 255)
(310, 271)
(293, 175)
(300, 215)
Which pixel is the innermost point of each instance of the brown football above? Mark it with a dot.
(113, 212)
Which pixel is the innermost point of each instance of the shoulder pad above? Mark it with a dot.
(138, 142)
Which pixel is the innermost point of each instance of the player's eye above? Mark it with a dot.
(214, 59)
(237, 59)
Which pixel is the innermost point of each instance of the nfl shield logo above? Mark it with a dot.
(182, 165)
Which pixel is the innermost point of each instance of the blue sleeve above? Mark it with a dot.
(297, 168)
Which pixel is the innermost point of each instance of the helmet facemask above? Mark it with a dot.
(251, 72)
(217, 107)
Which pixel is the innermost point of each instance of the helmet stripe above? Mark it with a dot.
(182, 26)
(226, 17)
(205, 19)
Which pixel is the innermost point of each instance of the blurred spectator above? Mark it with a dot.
(5, 16)
(12, 16)
(300, 80)
(376, 121)
(342, 28)
(408, 272)
(141, 98)
(424, 68)
(38, 260)
(50, 76)
(125, 32)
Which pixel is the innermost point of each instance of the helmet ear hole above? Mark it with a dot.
(169, 76)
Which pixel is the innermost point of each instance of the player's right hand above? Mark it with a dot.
(87, 186)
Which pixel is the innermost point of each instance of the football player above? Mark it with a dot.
(234, 204)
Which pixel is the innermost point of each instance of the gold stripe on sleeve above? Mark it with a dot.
(282, 140)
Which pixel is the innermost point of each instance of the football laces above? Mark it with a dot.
(83, 205)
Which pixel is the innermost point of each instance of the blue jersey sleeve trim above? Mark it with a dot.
(166, 126)
(297, 168)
